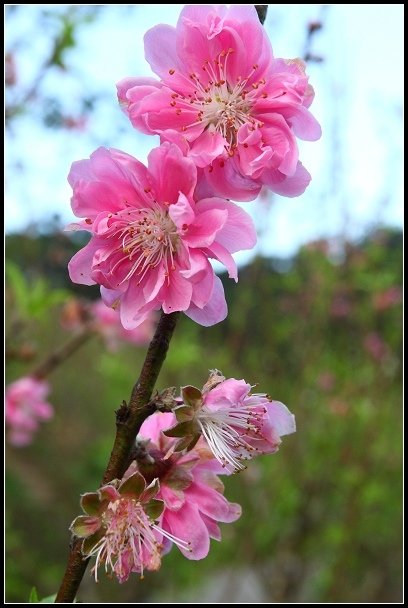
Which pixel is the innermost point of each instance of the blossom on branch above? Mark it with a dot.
(236, 424)
(189, 487)
(224, 95)
(120, 527)
(151, 239)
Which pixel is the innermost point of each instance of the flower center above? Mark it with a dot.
(148, 238)
(132, 541)
(223, 105)
(225, 429)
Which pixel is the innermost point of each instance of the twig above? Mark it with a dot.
(62, 353)
(261, 9)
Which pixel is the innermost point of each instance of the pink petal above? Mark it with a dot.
(214, 311)
(203, 231)
(227, 181)
(171, 173)
(284, 185)
(206, 148)
(160, 50)
(231, 390)
(155, 424)
(223, 255)
(211, 503)
(281, 418)
(80, 265)
(187, 525)
(238, 232)
(176, 295)
(212, 527)
(182, 212)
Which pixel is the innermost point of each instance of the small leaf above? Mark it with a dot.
(150, 492)
(133, 486)
(90, 542)
(91, 503)
(108, 493)
(154, 509)
(184, 413)
(33, 599)
(192, 396)
(181, 430)
(187, 443)
(50, 599)
(84, 526)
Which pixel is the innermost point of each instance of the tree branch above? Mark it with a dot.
(261, 9)
(62, 353)
(129, 419)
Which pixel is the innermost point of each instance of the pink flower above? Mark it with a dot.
(26, 406)
(238, 108)
(375, 346)
(151, 242)
(236, 424)
(189, 487)
(388, 298)
(107, 323)
(120, 527)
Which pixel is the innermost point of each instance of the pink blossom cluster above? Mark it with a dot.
(228, 114)
(26, 406)
(178, 458)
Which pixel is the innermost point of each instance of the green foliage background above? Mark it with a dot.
(322, 517)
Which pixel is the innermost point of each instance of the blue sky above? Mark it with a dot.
(356, 166)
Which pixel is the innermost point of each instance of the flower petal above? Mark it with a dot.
(187, 525)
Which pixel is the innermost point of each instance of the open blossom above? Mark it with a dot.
(151, 240)
(238, 108)
(26, 407)
(236, 424)
(120, 527)
(192, 493)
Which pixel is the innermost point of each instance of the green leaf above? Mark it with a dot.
(33, 599)
(50, 599)
(187, 443)
(84, 526)
(151, 491)
(184, 413)
(192, 396)
(133, 486)
(90, 542)
(154, 509)
(181, 430)
(91, 503)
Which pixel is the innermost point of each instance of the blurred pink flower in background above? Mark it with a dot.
(341, 306)
(375, 346)
(326, 381)
(25, 408)
(221, 89)
(151, 240)
(107, 323)
(388, 298)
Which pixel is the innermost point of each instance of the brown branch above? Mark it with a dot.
(129, 419)
(261, 9)
(62, 353)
